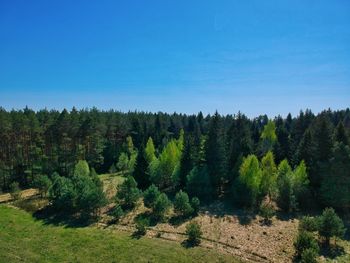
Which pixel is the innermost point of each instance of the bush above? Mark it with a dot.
(330, 225)
(161, 206)
(305, 240)
(117, 213)
(267, 211)
(43, 183)
(309, 255)
(15, 191)
(308, 223)
(128, 193)
(182, 204)
(150, 196)
(195, 203)
(141, 226)
(194, 233)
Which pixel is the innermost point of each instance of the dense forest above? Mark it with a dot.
(300, 162)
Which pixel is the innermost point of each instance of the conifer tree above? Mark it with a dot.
(140, 173)
(215, 154)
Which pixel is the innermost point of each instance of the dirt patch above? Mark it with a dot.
(28, 193)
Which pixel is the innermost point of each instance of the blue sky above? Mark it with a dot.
(258, 57)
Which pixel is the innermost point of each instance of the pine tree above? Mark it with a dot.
(215, 154)
(335, 186)
(340, 134)
(140, 173)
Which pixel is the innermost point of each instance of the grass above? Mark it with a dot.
(24, 239)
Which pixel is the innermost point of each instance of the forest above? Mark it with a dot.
(303, 161)
(181, 163)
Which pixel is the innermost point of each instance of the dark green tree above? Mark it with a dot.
(141, 173)
(128, 194)
(330, 225)
(215, 155)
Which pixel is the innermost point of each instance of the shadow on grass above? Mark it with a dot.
(190, 244)
(333, 251)
(148, 217)
(51, 217)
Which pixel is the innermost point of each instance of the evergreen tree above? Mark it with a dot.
(215, 154)
(340, 134)
(128, 193)
(330, 225)
(198, 183)
(335, 186)
(140, 173)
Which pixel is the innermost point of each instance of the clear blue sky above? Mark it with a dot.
(270, 56)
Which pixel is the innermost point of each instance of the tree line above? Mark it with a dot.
(296, 161)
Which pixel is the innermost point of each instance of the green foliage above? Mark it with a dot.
(305, 240)
(83, 193)
(309, 255)
(117, 213)
(246, 187)
(43, 183)
(140, 173)
(128, 194)
(15, 191)
(215, 154)
(194, 233)
(330, 225)
(195, 203)
(268, 137)
(123, 162)
(81, 168)
(198, 183)
(162, 170)
(285, 194)
(141, 226)
(150, 151)
(267, 211)
(269, 175)
(300, 182)
(161, 206)
(335, 186)
(182, 204)
(308, 223)
(150, 196)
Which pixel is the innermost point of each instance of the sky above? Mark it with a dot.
(258, 57)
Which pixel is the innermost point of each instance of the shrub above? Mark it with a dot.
(267, 211)
(182, 204)
(161, 206)
(141, 226)
(150, 196)
(305, 240)
(194, 233)
(309, 255)
(43, 183)
(308, 223)
(195, 203)
(330, 225)
(117, 213)
(128, 193)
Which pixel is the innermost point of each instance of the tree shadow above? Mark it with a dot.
(332, 251)
(147, 216)
(188, 244)
(50, 216)
(179, 220)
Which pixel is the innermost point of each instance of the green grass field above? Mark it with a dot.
(24, 239)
